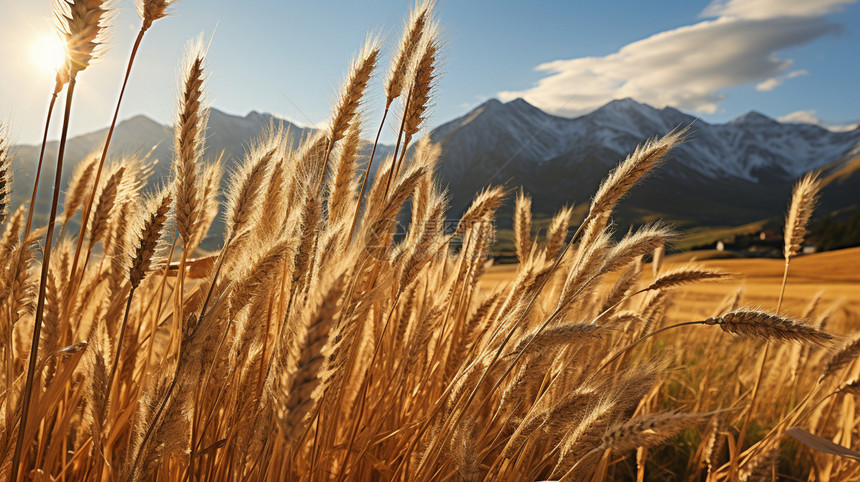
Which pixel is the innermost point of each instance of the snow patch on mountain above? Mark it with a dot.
(749, 147)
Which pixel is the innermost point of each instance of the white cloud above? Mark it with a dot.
(769, 84)
(765, 9)
(775, 82)
(811, 117)
(690, 66)
(807, 116)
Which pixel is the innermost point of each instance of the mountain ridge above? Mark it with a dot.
(724, 174)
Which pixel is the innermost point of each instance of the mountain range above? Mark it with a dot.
(723, 175)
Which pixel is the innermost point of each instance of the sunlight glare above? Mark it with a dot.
(48, 53)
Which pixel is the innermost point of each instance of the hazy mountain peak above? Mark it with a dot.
(625, 102)
(520, 103)
(754, 117)
(488, 104)
(627, 106)
(138, 119)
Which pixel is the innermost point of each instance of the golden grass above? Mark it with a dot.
(316, 344)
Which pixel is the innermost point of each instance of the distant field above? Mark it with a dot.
(836, 273)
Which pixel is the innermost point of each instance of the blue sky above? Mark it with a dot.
(792, 59)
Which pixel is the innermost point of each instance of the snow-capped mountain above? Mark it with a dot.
(742, 148)
(723, 174)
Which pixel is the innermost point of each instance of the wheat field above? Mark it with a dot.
(324, 342)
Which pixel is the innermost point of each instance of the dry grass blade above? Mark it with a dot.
(821, 444)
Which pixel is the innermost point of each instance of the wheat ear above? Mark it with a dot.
(152, 10)
(649, 430)
(83, 24)
(523, 226)
(350, 98)
(417, 97)
(341, 185)
(842, 358)
(686, 275)
(79, 186)
(409, 42)
(746, 323)
(557, 232)
(5, 175)
(803, 202)
(247, 182)
(632, 170)
(769, 327)
(188, 146)
(646, 431)
(144, 251)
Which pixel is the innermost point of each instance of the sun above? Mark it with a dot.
(48, 53)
